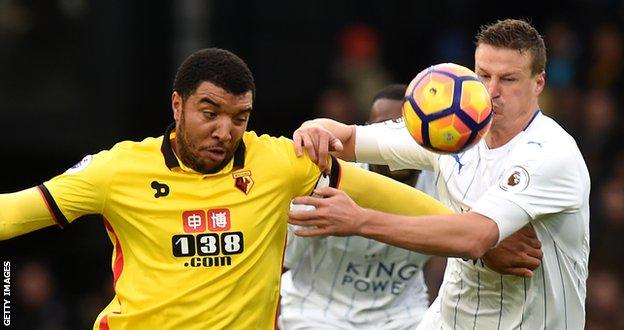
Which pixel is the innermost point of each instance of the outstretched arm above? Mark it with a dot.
(518, 254)
(23, 212)
(469, 235)
(321, 136)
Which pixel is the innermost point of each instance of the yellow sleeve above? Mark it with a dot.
(23, 212)
(79, 191)
(82, 189)
(299, 173)
(375, 191)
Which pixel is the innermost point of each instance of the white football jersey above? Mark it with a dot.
(351, 283)
(539, 177)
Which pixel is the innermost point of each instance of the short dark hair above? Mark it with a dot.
(391, 92)
(218, 66)
(515, 34)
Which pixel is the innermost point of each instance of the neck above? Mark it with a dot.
(499, 137)
(500, 134)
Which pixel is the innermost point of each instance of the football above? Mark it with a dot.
(447, 109)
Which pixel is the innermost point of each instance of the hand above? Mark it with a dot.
(335, 214)
(317, 141)
(518, 254)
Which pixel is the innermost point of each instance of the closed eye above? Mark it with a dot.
(209, 114)
(240, 120)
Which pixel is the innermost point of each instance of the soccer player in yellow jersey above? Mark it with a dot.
(197, 217)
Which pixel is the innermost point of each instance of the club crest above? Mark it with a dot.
(243, 181)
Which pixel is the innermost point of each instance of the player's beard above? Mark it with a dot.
(188, 151)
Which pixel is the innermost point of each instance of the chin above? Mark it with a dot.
(208, 168)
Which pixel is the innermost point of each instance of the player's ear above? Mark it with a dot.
(540, 82)
(176, 105)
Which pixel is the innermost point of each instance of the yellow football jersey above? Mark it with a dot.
(203, 251)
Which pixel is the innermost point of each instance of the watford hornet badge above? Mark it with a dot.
(243, 181)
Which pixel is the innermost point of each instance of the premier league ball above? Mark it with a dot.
(447, 109)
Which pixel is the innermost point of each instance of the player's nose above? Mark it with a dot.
(493, 87)
(223, 130)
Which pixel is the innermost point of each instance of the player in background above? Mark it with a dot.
(197, 216)
(526, 171)
(355, 282)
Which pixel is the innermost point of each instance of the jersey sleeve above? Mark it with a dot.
(375, 191)
(390, 143)
(538, 182)
(299, 173)
(81, 190)
(23, 212)
(368, 189)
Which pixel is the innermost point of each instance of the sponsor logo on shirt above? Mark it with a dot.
(162, 189)
(378, 277)
(200, 248)
(194, 221)
(219, 219)
(457, 158)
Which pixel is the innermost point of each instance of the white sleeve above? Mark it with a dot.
(544, 182)
(389, 143)
(295, 247)
(509, 217)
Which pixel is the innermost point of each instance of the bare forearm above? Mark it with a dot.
(468, 235)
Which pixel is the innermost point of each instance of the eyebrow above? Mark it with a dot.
(506, 74)
(208, 100)
(245, 111)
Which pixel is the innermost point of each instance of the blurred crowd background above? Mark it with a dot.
(76, 76)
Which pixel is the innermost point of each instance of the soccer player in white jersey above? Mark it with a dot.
(355, 282)
(359, 283)
(526, 171)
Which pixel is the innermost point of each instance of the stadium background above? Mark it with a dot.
(76, 76)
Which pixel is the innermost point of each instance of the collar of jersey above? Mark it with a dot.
(172, 161)
(537, 112)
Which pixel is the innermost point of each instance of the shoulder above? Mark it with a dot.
(280, 148)
(275, 157)
(547, 141)
(134, 149)
(548, 132)
(146, 145)
(252, 139)
(549, 151)
(120, 155)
